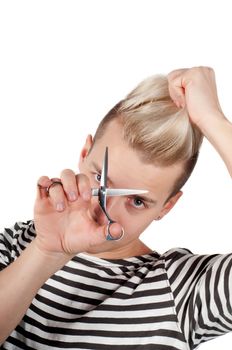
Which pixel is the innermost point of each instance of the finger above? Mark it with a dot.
(69, 182)
(176, 72)
(57, 195)
(84, 187)
(42, 184)
(102, 235)
(175, 86)
(177, 92)
(115, 232)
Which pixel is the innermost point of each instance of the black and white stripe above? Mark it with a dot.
(173, 301)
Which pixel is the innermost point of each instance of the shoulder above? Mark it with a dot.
(23, 229)
(183, 257)
(176, 253)
(14, 239)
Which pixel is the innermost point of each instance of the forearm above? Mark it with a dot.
(219, 134)
(20, 282)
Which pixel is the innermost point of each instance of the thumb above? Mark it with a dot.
(176, 88)
(114, 232)
(111, 232)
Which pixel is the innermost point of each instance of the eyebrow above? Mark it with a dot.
(144, 198)
(147, 199)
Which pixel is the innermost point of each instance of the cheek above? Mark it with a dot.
(134, 225)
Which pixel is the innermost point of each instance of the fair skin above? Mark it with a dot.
(134, 219)
(80, 226)
(134, 214)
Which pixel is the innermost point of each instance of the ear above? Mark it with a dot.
(86, 148)
(170, 204)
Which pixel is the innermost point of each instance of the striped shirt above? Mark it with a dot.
(176, 300)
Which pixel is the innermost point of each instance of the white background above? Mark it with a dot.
(64, 64)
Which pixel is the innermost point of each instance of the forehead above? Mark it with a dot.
(126, 169)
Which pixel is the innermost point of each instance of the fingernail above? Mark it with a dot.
(72, 196)
(86, 196)
(60, 206)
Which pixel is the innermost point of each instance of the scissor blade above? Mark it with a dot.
(118, 192)
(123, 192)
(104, 173)
(95, 191)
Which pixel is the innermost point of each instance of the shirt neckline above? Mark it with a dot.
(138, 259)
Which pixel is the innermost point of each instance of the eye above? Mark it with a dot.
(137, 203)
(97, 177)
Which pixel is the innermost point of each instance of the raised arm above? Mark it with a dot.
(195, 89)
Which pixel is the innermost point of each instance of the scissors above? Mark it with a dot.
(102, 192)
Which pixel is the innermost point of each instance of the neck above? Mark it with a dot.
(133, 249)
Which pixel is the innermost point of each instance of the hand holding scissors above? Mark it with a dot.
(102, 192)
(73, 224)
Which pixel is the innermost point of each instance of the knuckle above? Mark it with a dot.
(172, 75)
(201, 69)
(205, 68)
(67, 172)
(69, 183)
(43, 180)
(211, 70)
(56, 191)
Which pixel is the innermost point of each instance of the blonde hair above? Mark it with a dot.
(153, 125)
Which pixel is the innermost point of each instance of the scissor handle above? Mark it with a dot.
(109, 237)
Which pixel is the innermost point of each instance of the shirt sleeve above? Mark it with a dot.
(202, 292)
(13, 241)
(210, 303)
